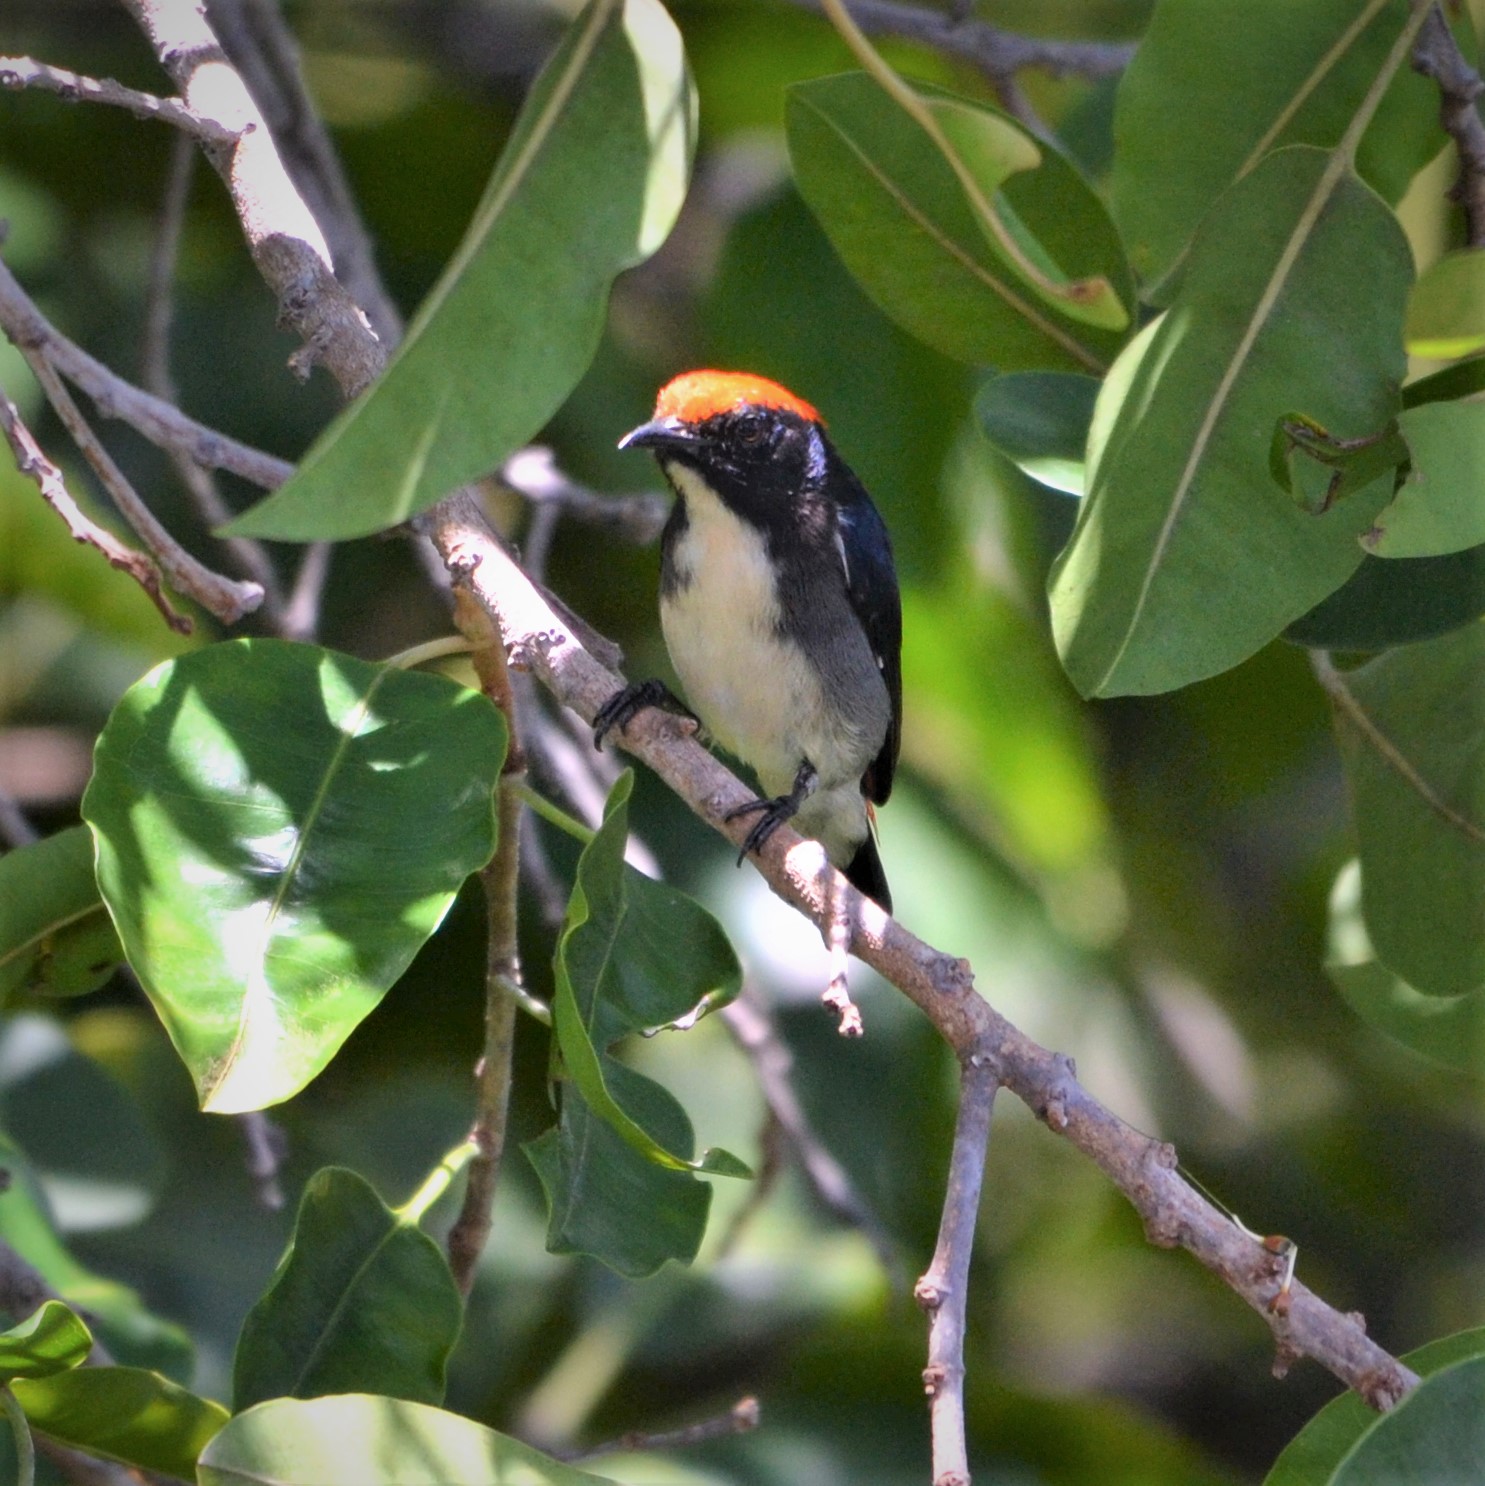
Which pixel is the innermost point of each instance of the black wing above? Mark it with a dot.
(871, 583)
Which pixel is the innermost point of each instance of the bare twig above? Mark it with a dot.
(227, 599)
(25, 72)
(943, 1291)
(996, 53)
(302, 613)
(266, 1147)
(752, 1027)
(741, 1418)
(533, 473)
(1436, 54)
(32, 463)
(157, 420)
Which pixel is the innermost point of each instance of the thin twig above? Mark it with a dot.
(266, 1148)
(25, 72)
(32, 463)
(224, 597)
(943, 1291)
(1436, 54)
(162, 424)
(741, 1418)
(534, 474)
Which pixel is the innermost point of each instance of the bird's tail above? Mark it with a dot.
(865, 873)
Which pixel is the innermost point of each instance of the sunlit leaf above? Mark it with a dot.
(897, 214)
(1440, 507)
(1039, 421)
(55, 934)
(1446, 310)
(355, 1437)
(362, 1299)
(51, 1339)
(279, 829)
(1187, 557)
(589, 184)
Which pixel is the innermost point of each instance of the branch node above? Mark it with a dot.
(929, 1294)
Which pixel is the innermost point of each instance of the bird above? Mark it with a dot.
(780, 609)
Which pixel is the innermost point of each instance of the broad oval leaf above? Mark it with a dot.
(1187, 557)
(1412, 731)
(279, 829)
(1435, 1434)
(1440, 506)
(362, 1299)
(897, 215)
(55, 934)
(1040, 421)
(125, 1413)
(1446, 310)
(1290, 74)
(51, 1339)
(589, 184)
(357, 1439)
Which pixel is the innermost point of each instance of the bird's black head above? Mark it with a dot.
(757, 445)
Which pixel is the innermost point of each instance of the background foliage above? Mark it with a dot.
(1145, 882)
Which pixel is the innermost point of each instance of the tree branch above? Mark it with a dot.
(1436, 55)
(17, 73)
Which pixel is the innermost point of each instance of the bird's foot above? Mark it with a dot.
(775, 811)
(626, 703)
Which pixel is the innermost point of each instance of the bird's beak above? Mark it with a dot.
(660, 433)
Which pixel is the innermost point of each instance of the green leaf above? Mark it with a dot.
(51, 1339)
(1396, 601)
(589, 184)
(1462, 380)
(1449, 1030)
(371, 1441)
(1446, 310)
(1412, 732)
(1290, 74)
(125, 1413)
(1186, 557)
(1437, 1433)
(634, 955)
(1040, 421)
(1318, 469)
(279, 829)
(55, 934)
(1439, 507)
(1312, 1456)
(362, 1299)
(898, 216)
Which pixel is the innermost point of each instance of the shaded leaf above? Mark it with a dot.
(356, 1439)
(1440, 507)
(898, 216)
(1186, 557)
(55, 934)
(588, 184)
(125, 1413)
(1452, 382)
(1040, 421)
(1446, 310)
(1449, 1030)
(1412, 732)
(279, 829)
(51, 1339)
(1318, 469)
(1436, 1433)
(362, 1299)
(1290, 74)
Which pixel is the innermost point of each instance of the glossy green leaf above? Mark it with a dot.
(589, 184)
(1187, 557)
(897, 215)
(279, 829)
(1397, 601)
(125, 1413)
(362, 1300)
(1290, 74)
(1312, 1457)
(634, 955)
(51, 1339)
(356, 1439)
(1446, 310)
(1319, 470)
(1040, 421)
(55, 934)
(1412, 732)
(1449, 1030)
(1437, 1433)
(1440, 507)
(1465, 379)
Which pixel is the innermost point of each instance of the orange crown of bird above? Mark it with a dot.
(695, 396)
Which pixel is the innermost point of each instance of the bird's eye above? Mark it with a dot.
(751, 430)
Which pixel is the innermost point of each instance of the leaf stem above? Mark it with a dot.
(438, 1181)
(25, 1446)
(417, 655)
(554, 813)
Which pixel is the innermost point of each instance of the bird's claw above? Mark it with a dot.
(776, 810)
(626, 704)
